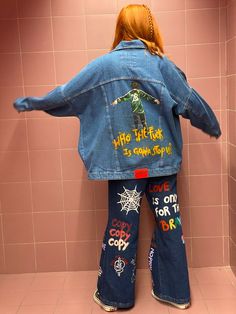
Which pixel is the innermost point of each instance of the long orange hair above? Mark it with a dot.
(135, 21)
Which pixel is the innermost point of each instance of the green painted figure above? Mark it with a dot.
(134, 96)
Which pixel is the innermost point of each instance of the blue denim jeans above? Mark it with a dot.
(167, 256)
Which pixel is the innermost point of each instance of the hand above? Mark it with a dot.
(157, 101)
(17, 108)
(20, 104)
(115, 102)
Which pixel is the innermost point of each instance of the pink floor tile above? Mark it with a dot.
(211, 275)
(42, 297)
(81, 279)
(218, 291)
(213, 291)
(75, 283)
(47, 283)
(84, 275)
(221, 306)
(192, 277)
(195, 292)
(11, 298)
(79, 308)
(150, 305)
(9, 309)
(143, 292)
(81, 295)
(231, 275)
(197, 307)
(16, 281)
(52, 275)
(36, 309)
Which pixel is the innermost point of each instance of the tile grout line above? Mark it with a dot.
(59, 139)
(188, 134)
(27, 138)
(28, 155)
(93, 188)
(107, 49)
(221, 143)
(111, 13)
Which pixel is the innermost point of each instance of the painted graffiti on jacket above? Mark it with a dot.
(141, 132)
(134, 96)
(138, 135)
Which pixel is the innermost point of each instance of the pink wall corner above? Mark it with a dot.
(231, 80)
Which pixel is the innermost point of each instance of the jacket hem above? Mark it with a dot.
(130, 174)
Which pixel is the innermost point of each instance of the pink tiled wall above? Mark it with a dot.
(52, 217)
(231, 108)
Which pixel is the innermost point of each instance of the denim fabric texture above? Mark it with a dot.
(167, 256)
(128, 102)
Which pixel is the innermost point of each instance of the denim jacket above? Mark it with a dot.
(128, 102)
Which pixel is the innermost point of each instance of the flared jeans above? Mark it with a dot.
(167, 255)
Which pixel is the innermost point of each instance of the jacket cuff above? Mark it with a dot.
(22, 104)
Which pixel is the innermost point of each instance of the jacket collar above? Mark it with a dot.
(130, 44)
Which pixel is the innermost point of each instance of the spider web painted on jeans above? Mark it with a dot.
(129, 200)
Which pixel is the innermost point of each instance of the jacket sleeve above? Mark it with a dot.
(63, 100)
(54, 101)
(189, 104)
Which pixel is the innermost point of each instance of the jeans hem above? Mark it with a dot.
(167, 298)
(119, 305)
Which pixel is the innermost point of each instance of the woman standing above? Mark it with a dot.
(129, 102)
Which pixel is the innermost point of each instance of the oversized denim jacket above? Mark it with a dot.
(128, 102)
